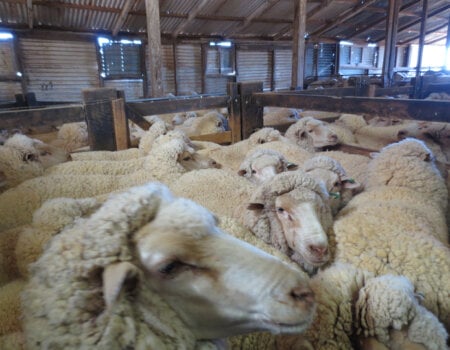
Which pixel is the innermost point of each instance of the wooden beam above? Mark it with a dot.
(234, 119)
(99, 120)
(121, 131)
(428, 110)
(251, 113)
(432, 30)
(191, 16)
(123, 16)
(346, 15)
(390, 42)
(41, 119)
(154, 48)
(423, 24)
(298, 45)
(30, 15)
(220, 137)
(258, 12)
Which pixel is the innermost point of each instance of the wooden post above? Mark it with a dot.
(121, 131)
(251, 113)
(390, 42)
(175, 69)
(154, 48)
(423, 25)
(234, 119)
(298, 47)
(100, 124)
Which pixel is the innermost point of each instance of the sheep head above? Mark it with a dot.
(317, 129)
(291, 212)
(264, 135)
(263, 164)
(340, 186)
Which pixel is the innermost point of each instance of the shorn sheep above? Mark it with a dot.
(166, 163)
(373, 234)
(139, 273)
(317, 129)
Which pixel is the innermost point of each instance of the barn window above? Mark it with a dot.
(120, 59)
(220, 59)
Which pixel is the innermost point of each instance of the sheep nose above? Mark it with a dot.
(215, 164)
(332, 137)
(304, 294)
(318, 250)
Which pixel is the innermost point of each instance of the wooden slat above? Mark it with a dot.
(428, 110)
(251, 113)
(234, 119)
(43, 119)
(123, 16)
(191, 16)
(121, 131)
(390, 42)
(30, 14)
(154, 48)
(299, 45)
(173, 105)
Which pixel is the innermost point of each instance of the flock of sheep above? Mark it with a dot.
(274, 242)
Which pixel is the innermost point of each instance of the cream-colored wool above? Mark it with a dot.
(351, 122)
(343, 134)
(10, 306)
(48, 220)
(280, 116)
(382, 242)
(317, 129)
(265, 224)
(72, 136)
(12, 341)
(216, 189)
(355, 165)
(125, 154)
(294, 153)
(163, 164)
(209, 123)
(8, 264)
(232, 156)
(376, 137)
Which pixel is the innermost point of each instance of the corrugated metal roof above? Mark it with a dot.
(264, 19)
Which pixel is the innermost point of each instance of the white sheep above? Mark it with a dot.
(321, 134)
(262, 164)
(210, 123)
(385, 235)
(126, 277)
(72, 136)
(279, 116)
(354, 309)
(166, 163)
(339, 185)
(232, 156)
(291, 213)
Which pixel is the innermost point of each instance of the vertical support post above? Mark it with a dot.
(423, 24)
(251, 114)
(145, 82)
(121, 131)
(19, 62)
(154, 47)
(99, 119)
(101, 81)
(234, 112)
(175, 69)
(272, 71)
(390, 42)
(203, 65)
(298, 46)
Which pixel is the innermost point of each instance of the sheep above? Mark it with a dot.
(278, 211)
(373, 235)
(72, 136)
(340, 187)
(279, 116)
(321, 134)
(355, 165)
(10, 307)
(8, 265)
(126, 277)
(262, 164)
(166, 163)
(232, 156)
(355, 309)
(147, 138)
(180, 118)
(376, 137)
(210, 123)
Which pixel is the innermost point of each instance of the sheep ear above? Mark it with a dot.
(242, 172)
(291, 166)
(255, 206)
(350, 183)
(118, 277)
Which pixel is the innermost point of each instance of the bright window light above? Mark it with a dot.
(5, 36)
(345, 43)
(220, 43)
(102, 40)
(447, 59)
(125, 41)
(371, 45)
(19, 74)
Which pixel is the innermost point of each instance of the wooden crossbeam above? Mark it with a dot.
(123, 16)
(191, 17)
(30, 13)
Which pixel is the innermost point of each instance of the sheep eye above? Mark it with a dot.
(253, 171)
(262, 141)
(219, 124)
(280, 210)
(186, 158)
(170, 268)
(310, 131)
(29, 157)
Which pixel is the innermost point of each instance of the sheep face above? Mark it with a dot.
(191, 160)
(322, 136)
(265, 167)
(219, 285)
(302, 228)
